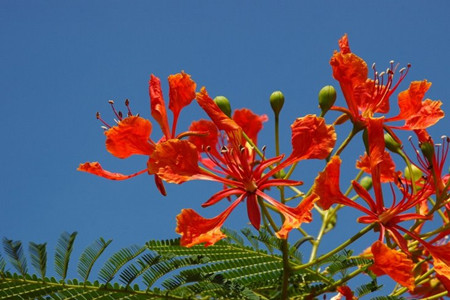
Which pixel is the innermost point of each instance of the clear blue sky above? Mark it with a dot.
(61, 61)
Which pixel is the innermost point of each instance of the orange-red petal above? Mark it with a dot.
(251, 123)
(157, 105)
(326, 184)
(96, 169)
(174, 161)
(222, 121)
(394, 263)
(428, 115)
(410, 100)
(181, 92)
(311, 138)
(202, 142)
(387, 166)
(194, 229)
(130, 136)
(294, 217)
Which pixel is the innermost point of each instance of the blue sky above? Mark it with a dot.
(61, 61)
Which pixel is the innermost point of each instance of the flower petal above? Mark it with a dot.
(428, 115)
(222, 121)
(194, 229)
(394, 263)
(311, 138)
(203, 142)
(251, 123)
(157, 105)
(326, 184)
(350, 70)
(294, 217)
(174, 161)
(410, 100)
(181, 93)
(130, 136)
(96, 169)
(387, 167)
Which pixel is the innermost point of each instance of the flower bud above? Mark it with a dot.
(277, 101)
(366, 182)
(224, 104)
(327, 97)
(392, 144)
(427, 151)
(416, 173)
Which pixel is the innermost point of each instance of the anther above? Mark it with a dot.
(111, 101)
(208, 148)
(391, 62)
(241, 148)
(263, 148)
(373, 66)
(224, 149)
(97, 115)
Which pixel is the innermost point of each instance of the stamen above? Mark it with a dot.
(114, 110)
(127, 104)
(97, 115)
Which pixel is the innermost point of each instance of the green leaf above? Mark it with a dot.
(14, 251)
(63, 250)
(90, 256)
(38, 254)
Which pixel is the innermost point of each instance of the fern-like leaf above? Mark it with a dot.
(14, 251)
(63, 250)
(2, 265)
(367, 288)
(38, 254)
(132, 271)
(117, 261)
(90, 256)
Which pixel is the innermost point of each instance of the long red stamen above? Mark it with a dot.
(118, 114)
(97, 115)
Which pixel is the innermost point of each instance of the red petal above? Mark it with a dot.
(410, 100)
(96, 169)
(387, 167)
(209, 140)
(194, 229)
(428, 115)
(249, 122)
(222, 121)
(326, 184)
(181, 92)
(311, 138)
(158, 106)
(394, 263)
(254, 215)
(130, 136)
(175, 161)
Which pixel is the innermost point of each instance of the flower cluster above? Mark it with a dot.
(224, 149)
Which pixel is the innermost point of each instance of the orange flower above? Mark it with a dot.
(131, 135)
(395, 264)
(234, 165)
(365, 96)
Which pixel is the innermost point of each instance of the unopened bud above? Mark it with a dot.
(277, 101)
(366, 182)
(280, 174)
(224, 104)
(327, 97)
(392, 144)
(416, 173)
(428, 151)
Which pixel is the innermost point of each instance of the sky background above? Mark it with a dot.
(61, 61)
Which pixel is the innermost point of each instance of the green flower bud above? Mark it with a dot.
(416, 173)
(428, 151)
(280, 174)
(327, 97)
(366, 182)
(224, 104)
(277, 101)
(392, 144)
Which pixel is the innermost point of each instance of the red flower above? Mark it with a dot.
(234, 164)
(131, 135)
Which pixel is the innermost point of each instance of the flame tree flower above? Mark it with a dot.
(366, 97)
(234, 165)
(131, 134)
